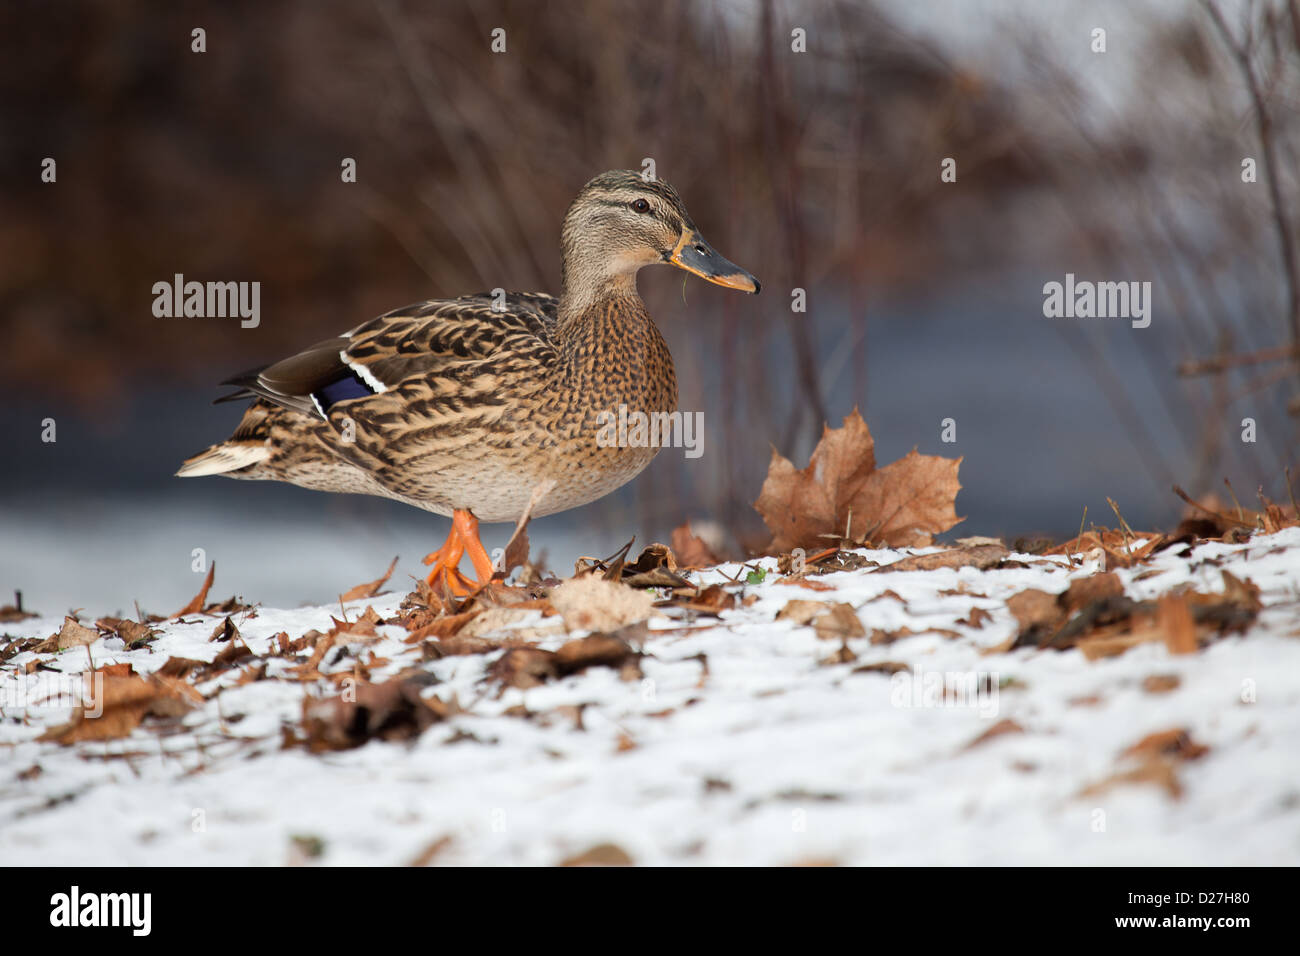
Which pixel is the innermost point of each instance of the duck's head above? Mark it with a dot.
(621, 222)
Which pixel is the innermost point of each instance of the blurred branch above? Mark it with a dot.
(1220, 363)
(1242, 52)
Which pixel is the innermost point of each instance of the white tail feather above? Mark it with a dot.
(223, 458)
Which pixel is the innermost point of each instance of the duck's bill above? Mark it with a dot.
(696, 256)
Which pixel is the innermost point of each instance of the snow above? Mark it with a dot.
(773, 757)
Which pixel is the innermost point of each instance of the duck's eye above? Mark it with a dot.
(641, 206)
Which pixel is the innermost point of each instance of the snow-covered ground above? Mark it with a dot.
(740, 743)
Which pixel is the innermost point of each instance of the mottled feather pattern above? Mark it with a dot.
(474, 403)
(480, 407)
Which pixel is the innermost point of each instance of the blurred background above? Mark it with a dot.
(817, 170)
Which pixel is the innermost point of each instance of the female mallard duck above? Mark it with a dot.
(481, 406)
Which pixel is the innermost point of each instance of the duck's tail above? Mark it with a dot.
(226, 457)
(241, 453)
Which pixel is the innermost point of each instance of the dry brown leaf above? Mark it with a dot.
(604, 854)
(433, 849)
(441, 627)
(131, 633)
(370, 588)
(1174, 618)
(842, 493)
(690, 550)
(516, 555)
(979, 556)
(12, 613)
(975, 617)
(1092, 588)
(843, 655)
(196, 603)
(224, 631)
(838, 623)
(882, 667)
(123, 701)
(810, 584)
(1161, 683)
(1243, 593)
(1159, 771)
(590, 603)
(1158, 756)
(1034, 608)
(501, 621)
(597, 650)
(881, 637)
(181, 667)
(72, 634)
(393, 710)
(524, 667)
(997, 730)
(711, 600)
(1175, 742)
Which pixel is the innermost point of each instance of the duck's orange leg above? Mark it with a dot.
(462, 539)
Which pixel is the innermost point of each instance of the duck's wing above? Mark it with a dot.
(421, 340)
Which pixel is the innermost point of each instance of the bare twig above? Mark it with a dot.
(1241, 51)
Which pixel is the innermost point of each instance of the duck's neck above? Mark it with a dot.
(616, 354)
(587, 293)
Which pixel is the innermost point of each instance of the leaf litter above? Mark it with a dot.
(691, 670)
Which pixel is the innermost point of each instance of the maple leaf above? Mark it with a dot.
(843, 494)
(691, 550)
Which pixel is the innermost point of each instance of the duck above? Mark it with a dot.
(489, 407)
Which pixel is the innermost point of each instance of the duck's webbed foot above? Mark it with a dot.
(463, 539)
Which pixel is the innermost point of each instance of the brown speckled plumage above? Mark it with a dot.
(460, 405)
